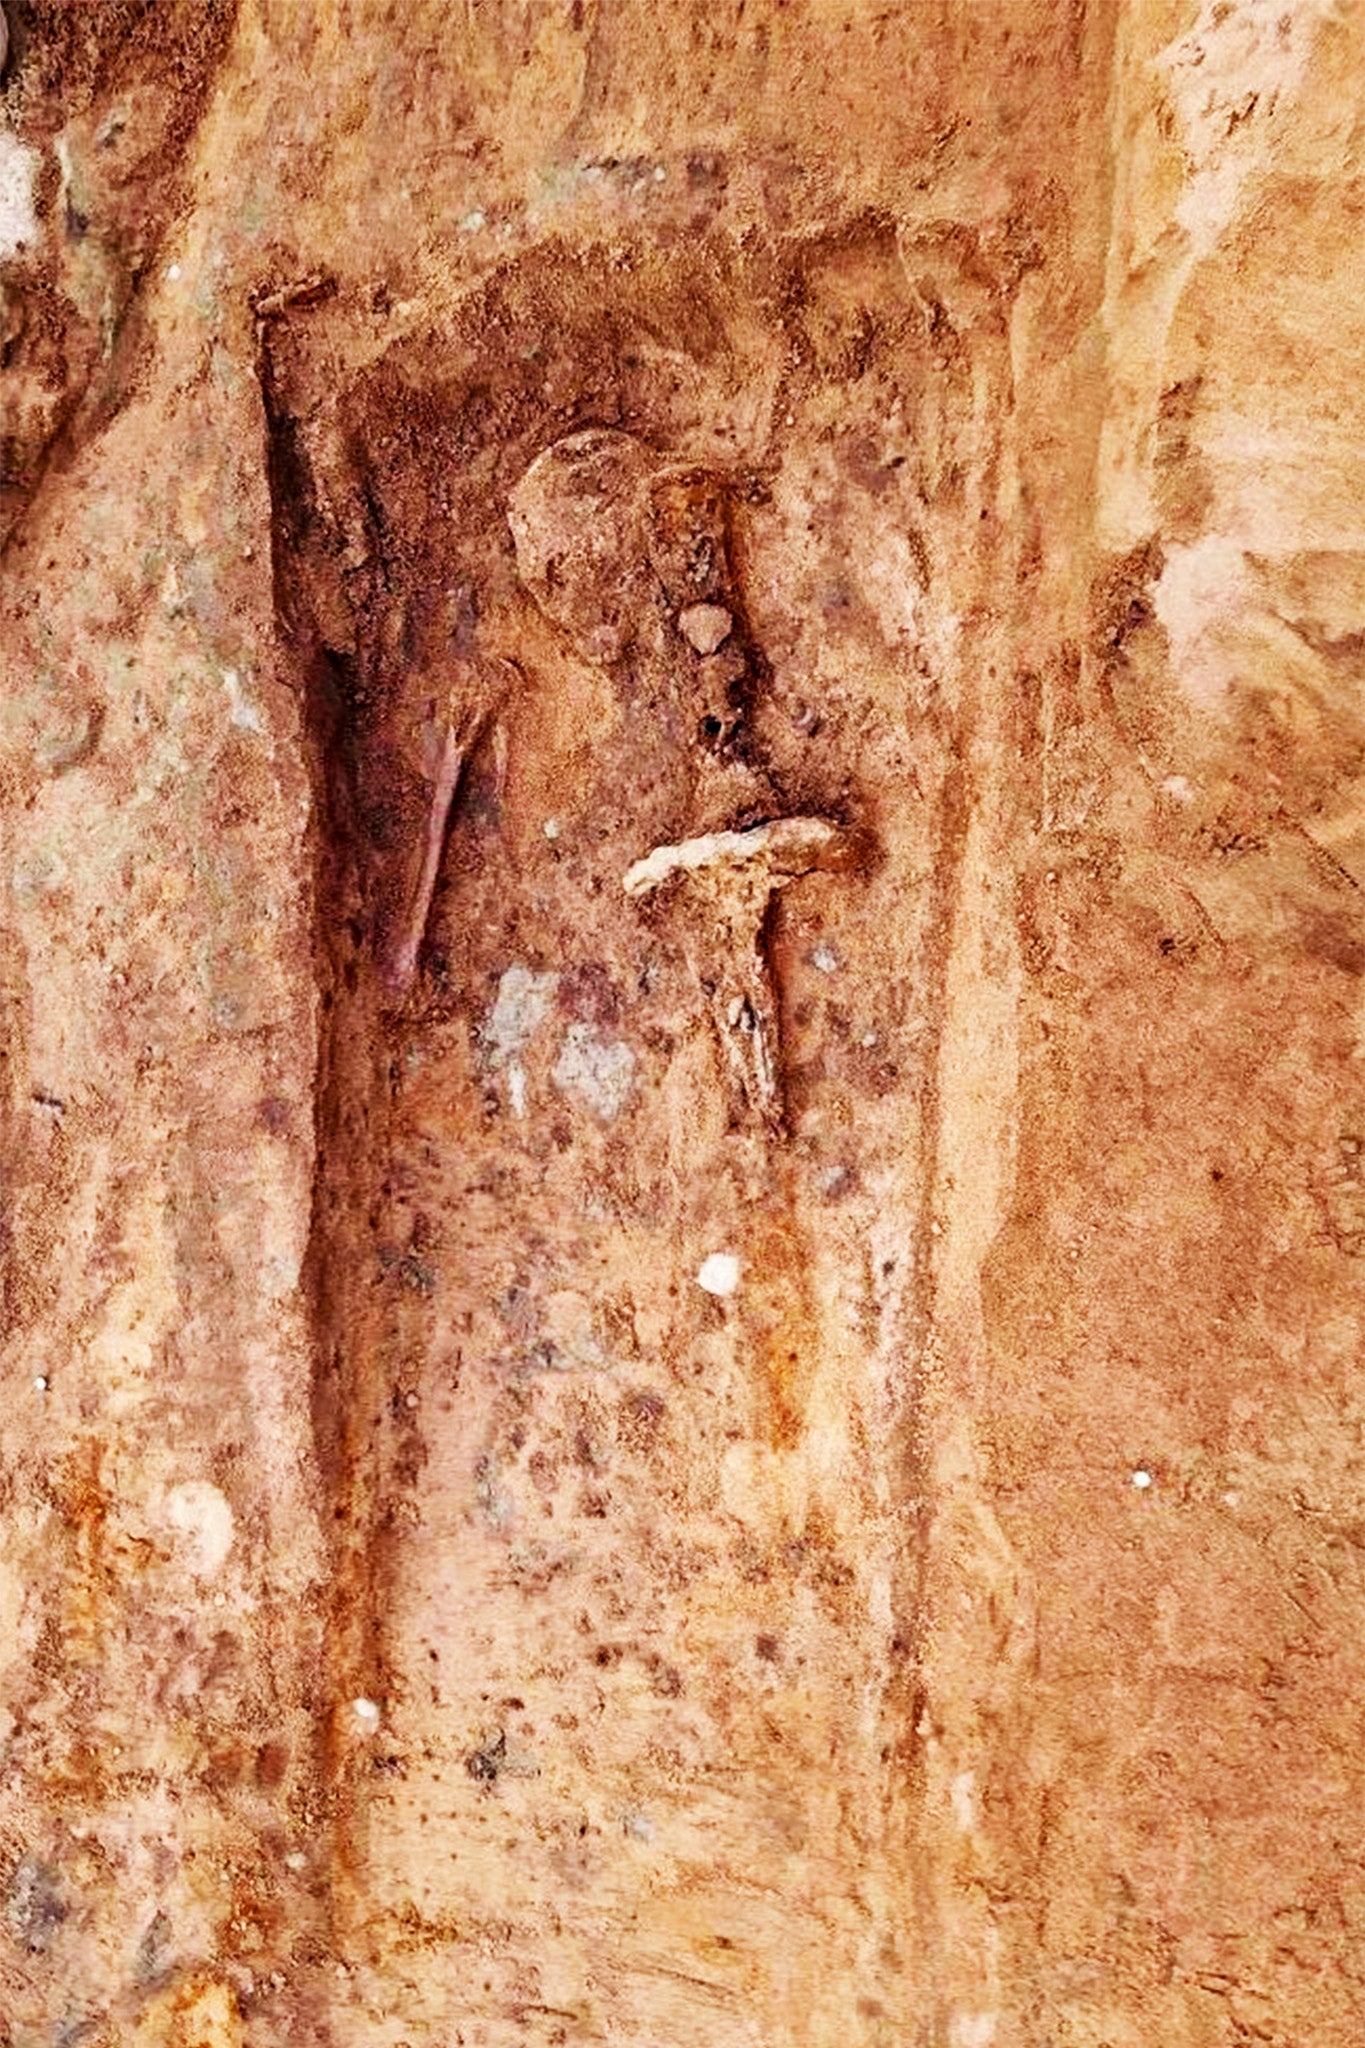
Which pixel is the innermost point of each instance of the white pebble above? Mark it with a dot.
(173, 273)
(551, 828)
(1142, 1480)
(719, 1273)
(824, 957)
(367, 1713)
(40, 1382)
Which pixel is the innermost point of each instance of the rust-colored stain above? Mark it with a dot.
(682, 1165)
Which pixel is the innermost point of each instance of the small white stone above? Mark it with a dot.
(367, 1713)
(705, 626)
(719, 1273)
(551, 828)
(1142, 1480)
(825, 958)
(173, 273)
(296, 1860)
(40, 1382)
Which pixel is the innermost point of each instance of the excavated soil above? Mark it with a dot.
(764, 1447)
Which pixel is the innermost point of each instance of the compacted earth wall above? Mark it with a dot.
(682, 1145)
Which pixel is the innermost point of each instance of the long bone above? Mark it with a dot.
(451, 749)
(730, 878)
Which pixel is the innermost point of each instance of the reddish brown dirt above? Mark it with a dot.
(590, 1467)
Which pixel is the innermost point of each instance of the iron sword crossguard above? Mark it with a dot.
(730, 879)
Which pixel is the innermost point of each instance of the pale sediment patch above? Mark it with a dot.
(18, 220)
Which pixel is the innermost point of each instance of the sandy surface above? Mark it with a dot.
(772, 1458)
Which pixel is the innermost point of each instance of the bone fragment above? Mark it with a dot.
(705, 627)
(781, 850)
(733, 876)
(401, 963)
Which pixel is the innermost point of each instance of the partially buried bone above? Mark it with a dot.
(624, 551)
(450, 749)
(728, 880)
